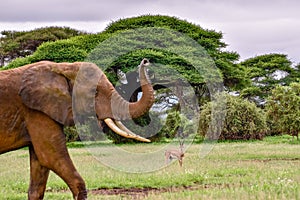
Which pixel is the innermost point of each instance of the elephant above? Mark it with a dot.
(36, 103)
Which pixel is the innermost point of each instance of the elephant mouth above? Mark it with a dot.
(119, 128)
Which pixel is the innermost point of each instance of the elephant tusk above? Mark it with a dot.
(111, 124)
(124, 133)
(124, 128)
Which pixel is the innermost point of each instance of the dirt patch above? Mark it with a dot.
(136, 193)
(133, 192)
(141, 193)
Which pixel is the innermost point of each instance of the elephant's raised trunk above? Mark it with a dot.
(137, 109)
(122, 109)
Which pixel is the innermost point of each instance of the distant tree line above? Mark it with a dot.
(16, 44)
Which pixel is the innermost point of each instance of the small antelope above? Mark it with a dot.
(171, 154)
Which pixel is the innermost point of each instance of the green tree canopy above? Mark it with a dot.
(265, 72)
(210, 40)
(15, 44)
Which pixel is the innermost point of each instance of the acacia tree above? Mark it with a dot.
(294, 76)
(283, 109)
(15, 44)
(265, 72)
(233, 74)
(210, 40)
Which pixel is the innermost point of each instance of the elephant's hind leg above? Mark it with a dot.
(38, 177)
(49, 144)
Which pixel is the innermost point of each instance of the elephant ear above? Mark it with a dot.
(49, 92)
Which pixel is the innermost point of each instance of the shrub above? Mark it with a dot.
(177, 123)
(18, 62)
(243, 119)
(88, 131)
(283, 109)
(71, 134)
(60, 51)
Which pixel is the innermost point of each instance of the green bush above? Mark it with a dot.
(173, 122)
(243, 119)
(177, 123)
(71, 134)
(18, 62)
(88, 131)
(60, 51)
(283, 110)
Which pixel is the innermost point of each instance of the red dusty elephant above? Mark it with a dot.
(36, 102)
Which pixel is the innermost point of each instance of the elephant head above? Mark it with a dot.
(66, 90)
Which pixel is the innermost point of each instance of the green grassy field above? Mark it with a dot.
(268, 169)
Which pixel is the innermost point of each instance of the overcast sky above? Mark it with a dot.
(251, 28)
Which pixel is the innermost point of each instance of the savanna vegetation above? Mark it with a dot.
(244, 120)
(262, 105)
(16, 44)
(256, 80)
(267, 169)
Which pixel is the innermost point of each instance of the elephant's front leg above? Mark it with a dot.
(49, 144)
(38, 177)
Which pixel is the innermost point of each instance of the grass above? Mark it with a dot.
(266, 169)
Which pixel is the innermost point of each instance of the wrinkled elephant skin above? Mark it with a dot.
(35, 104)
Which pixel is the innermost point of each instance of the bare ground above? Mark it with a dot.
(136, 193)
(140, 193)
